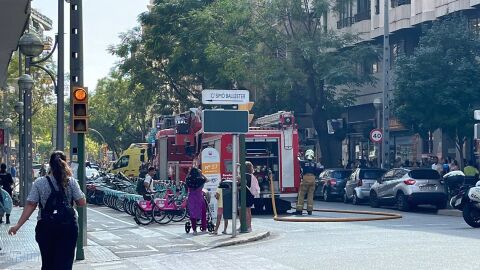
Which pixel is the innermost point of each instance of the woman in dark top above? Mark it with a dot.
(6, 179)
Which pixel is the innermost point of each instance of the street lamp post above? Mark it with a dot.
(19, 111)
(377, 103)
(25, 84)
(30, 46)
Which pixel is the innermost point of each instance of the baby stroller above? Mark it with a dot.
(210, 225)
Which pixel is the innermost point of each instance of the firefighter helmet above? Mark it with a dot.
(309, 154)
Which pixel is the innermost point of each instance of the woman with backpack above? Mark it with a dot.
(253, 191)
(55, 194)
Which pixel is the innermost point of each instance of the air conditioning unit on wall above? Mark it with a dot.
(311, 133)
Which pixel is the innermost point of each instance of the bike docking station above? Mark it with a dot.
(236, 123)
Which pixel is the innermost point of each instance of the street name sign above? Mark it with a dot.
(225, 97)
(225, 121)
(376, 135)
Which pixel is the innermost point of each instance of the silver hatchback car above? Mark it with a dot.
(408, 187)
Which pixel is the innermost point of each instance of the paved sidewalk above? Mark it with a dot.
(21, 251)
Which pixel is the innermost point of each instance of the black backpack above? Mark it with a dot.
(141, 190)
(58, 209)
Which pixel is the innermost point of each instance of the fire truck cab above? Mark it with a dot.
(271, 145)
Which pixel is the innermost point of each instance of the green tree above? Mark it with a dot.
(437, 86)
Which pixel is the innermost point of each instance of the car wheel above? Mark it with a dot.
(345, 198)
(374, 202)
(326, 195)
(402, 203)
(355, 199)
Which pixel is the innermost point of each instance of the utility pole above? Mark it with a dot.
(77, 142)
(243, 186)
(60, 142)
(386, 88)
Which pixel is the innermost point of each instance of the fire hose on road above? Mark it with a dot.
(375, 215)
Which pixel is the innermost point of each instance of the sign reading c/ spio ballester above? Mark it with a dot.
(225, 97)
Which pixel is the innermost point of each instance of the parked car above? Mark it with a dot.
(408, 187)
(331, 183)
(357, 188)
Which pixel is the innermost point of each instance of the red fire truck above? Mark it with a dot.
(272, 146)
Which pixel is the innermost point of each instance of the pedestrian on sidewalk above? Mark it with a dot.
(57, 229)
(219, 197)
(6, 180)
(197, 208)
(6, 205)
(253, 191)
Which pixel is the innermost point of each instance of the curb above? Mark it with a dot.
(450, 212)
(239, 241)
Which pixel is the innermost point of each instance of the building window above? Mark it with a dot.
(363, 10)
(396, 3)
(375, 67)
(377, 7)
(345, 14)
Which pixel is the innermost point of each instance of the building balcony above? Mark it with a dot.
(362, 16)
(345, 22)
(397, 3)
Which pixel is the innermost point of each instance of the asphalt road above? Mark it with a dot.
(420, 240)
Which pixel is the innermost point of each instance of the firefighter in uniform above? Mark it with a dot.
(309, 172)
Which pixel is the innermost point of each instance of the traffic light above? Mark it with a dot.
(80, 109)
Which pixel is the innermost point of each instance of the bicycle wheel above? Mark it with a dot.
(143, 217)
(160, 216)
(119, 204)
(179, 215)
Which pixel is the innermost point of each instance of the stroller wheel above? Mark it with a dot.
(210, 227)
(188, 226)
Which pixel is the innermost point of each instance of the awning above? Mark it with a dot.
(13, 19)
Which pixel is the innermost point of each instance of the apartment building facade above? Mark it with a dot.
(366, 18)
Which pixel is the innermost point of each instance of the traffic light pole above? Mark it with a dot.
(77, 143)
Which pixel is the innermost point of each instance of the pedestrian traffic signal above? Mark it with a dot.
(80, 109)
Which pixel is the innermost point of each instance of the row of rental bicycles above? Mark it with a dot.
(167, 204)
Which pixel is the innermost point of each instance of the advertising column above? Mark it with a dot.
(211, 170)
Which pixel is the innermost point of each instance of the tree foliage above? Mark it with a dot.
(437, 86)
(280, 50)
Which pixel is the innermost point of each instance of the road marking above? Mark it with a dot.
(174, 245)
(401, 225)
(104, 235)
(437, 225)
(119, 220)
(150, 249)
(145, 233)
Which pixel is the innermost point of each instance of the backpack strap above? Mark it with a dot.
(61, 189)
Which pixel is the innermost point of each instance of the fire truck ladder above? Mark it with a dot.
(269, 120)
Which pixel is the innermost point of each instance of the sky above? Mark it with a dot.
(103, 21)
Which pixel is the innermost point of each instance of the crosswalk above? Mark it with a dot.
(209, 259)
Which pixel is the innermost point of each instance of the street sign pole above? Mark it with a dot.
(234, 184)
(243, 188)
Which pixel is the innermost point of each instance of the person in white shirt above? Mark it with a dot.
(149, 182)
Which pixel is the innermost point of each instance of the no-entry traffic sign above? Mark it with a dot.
(225, 97)
(376, 135)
